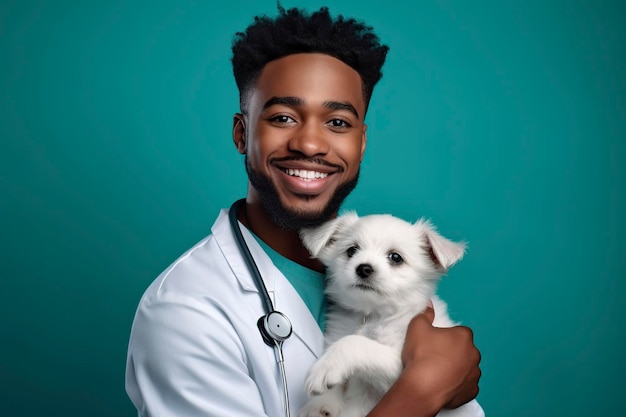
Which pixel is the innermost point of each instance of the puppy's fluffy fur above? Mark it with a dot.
(381, 271)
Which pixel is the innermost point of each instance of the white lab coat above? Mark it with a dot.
(195, 349)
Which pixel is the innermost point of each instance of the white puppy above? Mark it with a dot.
(381, 272)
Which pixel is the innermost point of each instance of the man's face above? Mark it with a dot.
(303, 136)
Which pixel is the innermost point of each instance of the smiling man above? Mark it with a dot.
(310, 143)
(305, 81)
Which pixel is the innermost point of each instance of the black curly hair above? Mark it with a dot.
(296, 31)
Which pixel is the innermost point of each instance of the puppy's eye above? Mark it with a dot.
(395, 258)
(351, 251)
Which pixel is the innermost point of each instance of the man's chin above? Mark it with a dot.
(307, 213)
(289, 217)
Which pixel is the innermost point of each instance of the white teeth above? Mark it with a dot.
(308, 175)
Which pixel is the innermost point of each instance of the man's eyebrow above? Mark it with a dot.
(298, 102)
(337, 105)
(287, 101)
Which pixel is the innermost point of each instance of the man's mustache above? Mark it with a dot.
(319, 161)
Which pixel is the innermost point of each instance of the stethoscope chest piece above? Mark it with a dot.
(275, 327)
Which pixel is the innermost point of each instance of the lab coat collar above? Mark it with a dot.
(284, 296)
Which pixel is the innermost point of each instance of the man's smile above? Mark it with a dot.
(308, 182)
(305, 174)
(308, 177)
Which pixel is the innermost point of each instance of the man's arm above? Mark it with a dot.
(185, 359)
(441, 370)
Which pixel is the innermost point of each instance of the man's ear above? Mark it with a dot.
(239, 133)
(363, 141)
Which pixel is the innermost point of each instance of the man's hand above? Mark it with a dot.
(441, 370)
(445, 360)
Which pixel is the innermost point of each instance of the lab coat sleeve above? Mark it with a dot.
(185, 359)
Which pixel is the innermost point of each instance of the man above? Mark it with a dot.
(195, 350)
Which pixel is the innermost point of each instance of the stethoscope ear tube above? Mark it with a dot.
(247, 256)
(274, 326)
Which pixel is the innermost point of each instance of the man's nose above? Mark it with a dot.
(310, 140)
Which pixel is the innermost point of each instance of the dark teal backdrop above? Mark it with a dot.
(503, 122)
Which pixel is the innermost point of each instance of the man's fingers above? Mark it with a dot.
(426, 317)
(429, 313)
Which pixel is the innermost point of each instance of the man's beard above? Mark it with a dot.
(289, 218)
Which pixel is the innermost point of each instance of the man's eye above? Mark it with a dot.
(339, 123)
(351, 251)
(395, 258)
(281, 119)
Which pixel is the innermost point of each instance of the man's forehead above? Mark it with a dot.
(315, 60)
(310, 77)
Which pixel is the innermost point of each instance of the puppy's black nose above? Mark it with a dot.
(364, 270)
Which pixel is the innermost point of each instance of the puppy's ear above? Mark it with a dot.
(318, 238)
(443, 252)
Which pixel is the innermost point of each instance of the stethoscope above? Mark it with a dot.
(275, 327)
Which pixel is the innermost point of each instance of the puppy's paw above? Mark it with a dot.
(323, 375)
(321, 406)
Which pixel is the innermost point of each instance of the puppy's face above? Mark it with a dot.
(379, 261)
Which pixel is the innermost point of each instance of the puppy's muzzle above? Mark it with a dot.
(364, 270)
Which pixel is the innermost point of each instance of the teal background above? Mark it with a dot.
(503, 122)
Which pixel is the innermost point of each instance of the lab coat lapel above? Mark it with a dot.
(285, 298)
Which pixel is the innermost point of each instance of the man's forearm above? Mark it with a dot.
(407, 398)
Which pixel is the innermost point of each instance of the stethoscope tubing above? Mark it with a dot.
(265, 296)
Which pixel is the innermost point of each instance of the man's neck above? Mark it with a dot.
(285, 242)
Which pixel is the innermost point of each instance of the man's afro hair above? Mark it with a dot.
(295, 31)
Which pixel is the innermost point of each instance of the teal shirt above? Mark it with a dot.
(308, 283)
